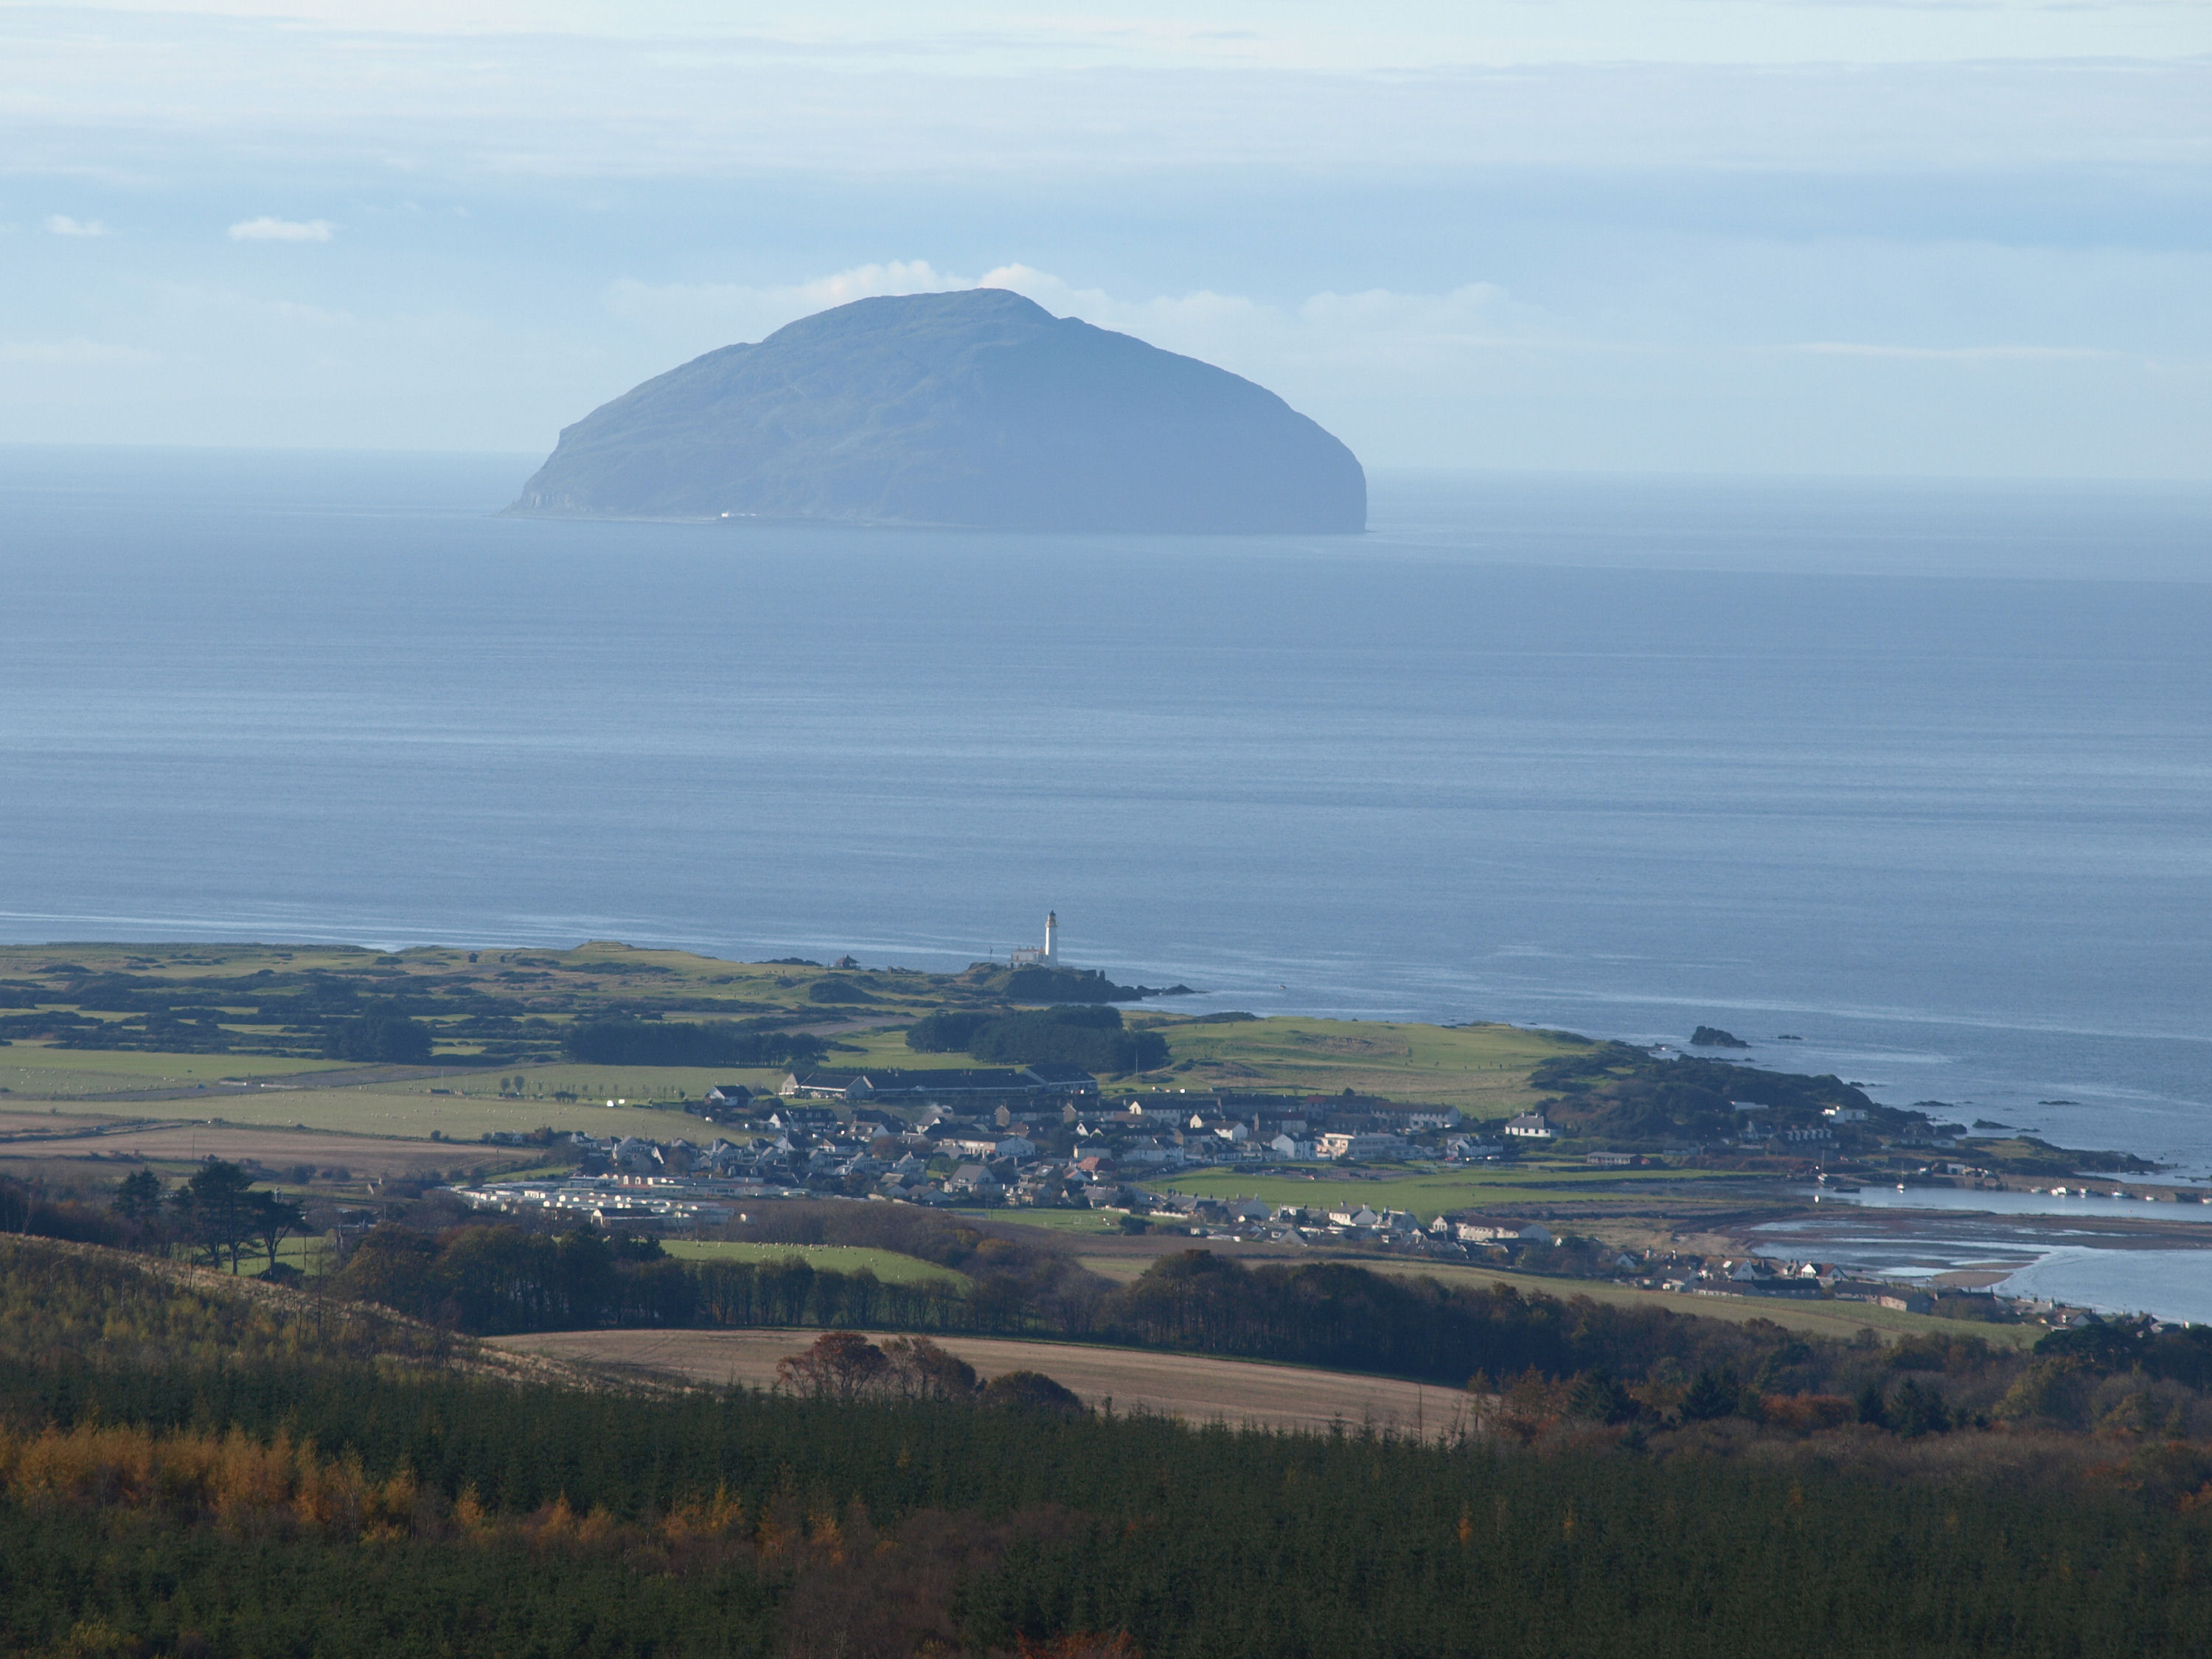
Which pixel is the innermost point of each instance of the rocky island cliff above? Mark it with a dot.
(977, 408)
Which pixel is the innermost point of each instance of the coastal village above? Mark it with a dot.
(1041, 1138)
(1016, 1093)
(1037, 1136)
(1049, 1136)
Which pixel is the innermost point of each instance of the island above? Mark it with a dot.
(977, 409)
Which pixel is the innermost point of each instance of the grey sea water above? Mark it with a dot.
(1918, 772)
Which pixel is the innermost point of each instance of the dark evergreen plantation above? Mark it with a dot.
(551, 1520)
(191, 1465)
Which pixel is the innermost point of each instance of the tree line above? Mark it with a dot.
(1090, 1035)
(215, 1216)
(1581, 1360)
(1645, 1364)
(688, 1042)
(298, 1500)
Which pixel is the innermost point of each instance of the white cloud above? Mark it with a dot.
(1172, 34)
(266, 229)
(60, 224)
(1372, 329)
(72, 353)
(1233, 330)
(1316, 352)
(1955, 354)
(1073, 97)
(710, 314)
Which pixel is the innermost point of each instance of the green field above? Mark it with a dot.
(1430, 1194)
(376, 1111)
(1059, 1221)
(594, 978)
(1481, 1069)
(887, 1265)
(1841, 1320)
(887, 1048)
(34, 1071)
(594, 1085)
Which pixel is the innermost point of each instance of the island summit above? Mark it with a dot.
(974, 409)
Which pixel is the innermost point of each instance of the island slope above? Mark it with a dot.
(977, 410)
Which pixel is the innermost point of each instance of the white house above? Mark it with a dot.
(1411, 1118)
(1530, 1126)
(1149, 1151)
(1502, 1232)
(1364, 1148)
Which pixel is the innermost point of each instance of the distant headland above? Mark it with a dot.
(974, 409)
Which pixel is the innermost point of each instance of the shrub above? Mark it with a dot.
(682, 1042)
(1089, 1035)
(1714, 1394)
(382, 1035)
(1916, 1409)
(1029, 1391)
(947, 1031)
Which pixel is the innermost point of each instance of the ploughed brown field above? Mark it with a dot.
(1196, 1389)
(182, 1143)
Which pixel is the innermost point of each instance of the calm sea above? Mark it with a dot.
(1919, 774)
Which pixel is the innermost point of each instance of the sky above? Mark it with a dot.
(1909, 237)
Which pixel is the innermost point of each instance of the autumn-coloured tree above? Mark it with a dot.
(838, 1366)
(919, 1370)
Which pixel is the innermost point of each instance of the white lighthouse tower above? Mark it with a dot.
(1028, 955)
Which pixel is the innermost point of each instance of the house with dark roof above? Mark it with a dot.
(817, 1119)
(1062, 1078)
(725, 1100)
